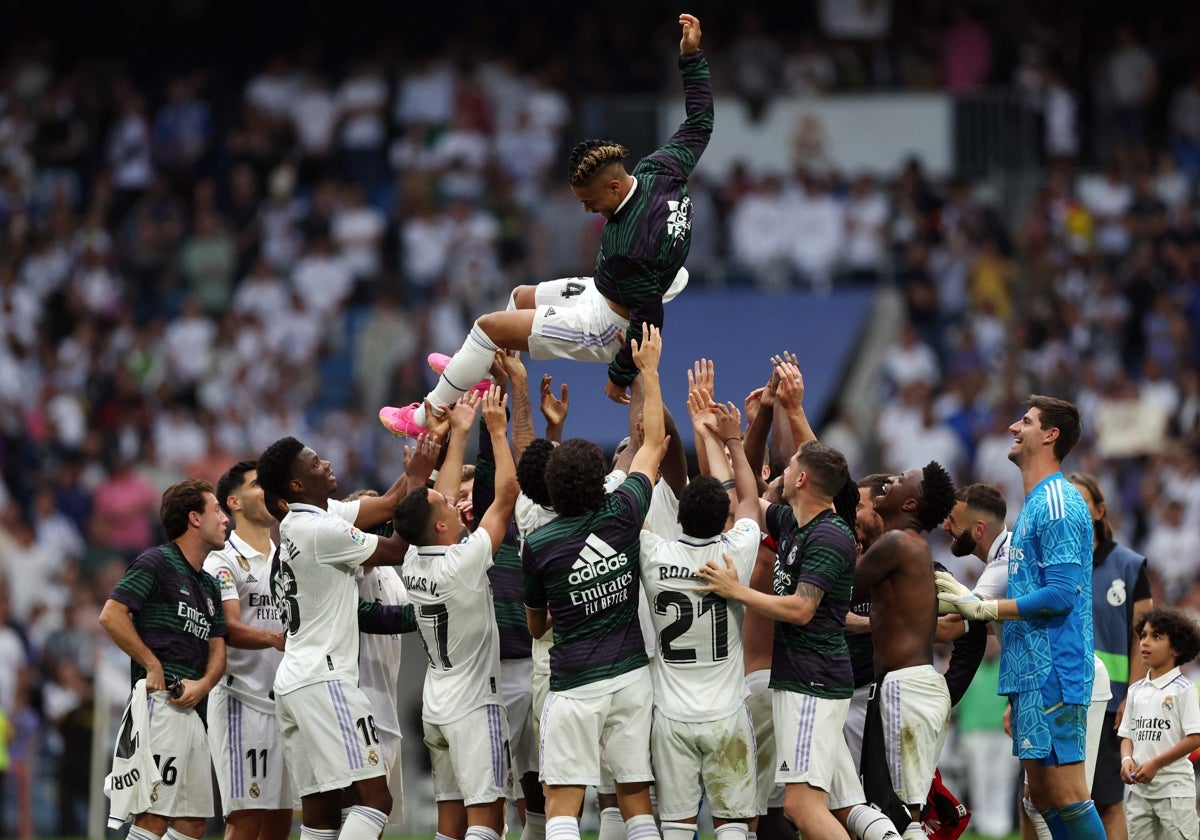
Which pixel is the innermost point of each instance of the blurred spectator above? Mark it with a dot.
(815, 224)
(124, 508)
(1171, 543)
(362, 104)
(1129, 83)
(866, 216)
(967, 60)
(183, 129)
(755, 62)
(1184, 125)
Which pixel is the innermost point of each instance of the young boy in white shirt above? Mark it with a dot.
(1161, 727)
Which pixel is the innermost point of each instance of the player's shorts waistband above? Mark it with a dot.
(910, 672)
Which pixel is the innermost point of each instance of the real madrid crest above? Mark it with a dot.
(254, 790)
(372, 757)
(1168, 703)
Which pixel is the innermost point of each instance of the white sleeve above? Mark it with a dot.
(346, 510)
(469, 561)
(743, 539)
(217, 565)
(649, 541)
(1189, 711)
(338, 543)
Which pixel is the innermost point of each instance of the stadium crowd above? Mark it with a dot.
(182, 256)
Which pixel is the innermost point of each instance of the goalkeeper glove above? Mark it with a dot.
(955, 597)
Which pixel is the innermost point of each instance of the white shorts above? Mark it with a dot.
(574, 321)
(576, 731)
(389, 745)
(714, 760)
(916, 717)
(179, 741)
(247, 754)
(1161, 819)
(540, 689)
(811, 749)
(770, 794)
(516, 686)
(856, 721)
(329, 736)
(470, 757)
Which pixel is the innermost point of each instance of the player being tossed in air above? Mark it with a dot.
(640, 264)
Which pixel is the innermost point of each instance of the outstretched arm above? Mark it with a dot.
(496, 518)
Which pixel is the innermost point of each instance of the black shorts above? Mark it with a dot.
(1107, 787)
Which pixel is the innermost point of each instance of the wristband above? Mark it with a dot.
(729, 484)
(1126, 758)
(726, 441)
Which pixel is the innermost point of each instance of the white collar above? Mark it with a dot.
(1166, 679)
(628, 196)
(1001, 542)
(244, 549)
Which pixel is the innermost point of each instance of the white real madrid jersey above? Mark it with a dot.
(699, 636)
(318, 553)
(379, 654)
(244, 575)
(448, 585)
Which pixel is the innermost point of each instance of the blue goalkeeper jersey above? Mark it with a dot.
(1054, 528)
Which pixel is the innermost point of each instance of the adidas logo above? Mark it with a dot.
(549, 311)
(783, 768)
(251, 579)
(597, 558)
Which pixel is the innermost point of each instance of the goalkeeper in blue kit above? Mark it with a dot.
(643, 247)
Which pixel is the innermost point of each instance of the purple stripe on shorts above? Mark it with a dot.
(497, 745)
(895, 728)
(237, 786)
(346, 723)
(580, 337)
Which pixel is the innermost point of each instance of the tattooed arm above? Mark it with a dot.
(797, 608)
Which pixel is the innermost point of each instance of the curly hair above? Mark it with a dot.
(1177, 627)
(531, 471)
(276, 465)
(231, 482)
(411, 517)
(590, 156)
(575, 477)
(180, 499)
(703, 507)
(937, 496)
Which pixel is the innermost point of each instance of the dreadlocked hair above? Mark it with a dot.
(590, 156)
(937, 496)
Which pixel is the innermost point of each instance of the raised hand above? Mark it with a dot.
(514, 368)
(495, 403)
(790, 390)
(702, 375)
(690, 42)
(462, 416)
(752, 404)
(728, 421)
(420, 458)
(700, 406)
(648, 351)
(438, 424)
(554, 409)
